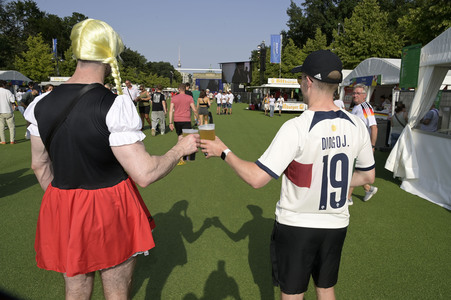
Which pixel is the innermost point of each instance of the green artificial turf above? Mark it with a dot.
(397, 246)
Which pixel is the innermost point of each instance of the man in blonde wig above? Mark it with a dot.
(87, 154)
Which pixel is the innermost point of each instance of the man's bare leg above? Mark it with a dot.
(284, 296)
(80, 286)
(325, 294)
(117, 281)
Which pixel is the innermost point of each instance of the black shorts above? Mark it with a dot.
(144, 109)
(298, 253)
(181, 125)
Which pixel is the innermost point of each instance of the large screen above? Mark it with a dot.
(237, 72)
(214, 85)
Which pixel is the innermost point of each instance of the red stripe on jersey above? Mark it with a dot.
(299, 174)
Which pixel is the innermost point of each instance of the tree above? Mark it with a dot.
(318, 43)
(68, 64)
(366, 35)
(18, 20)
(36, 63)
(325, 14)
(425, 21)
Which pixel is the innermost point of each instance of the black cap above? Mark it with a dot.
(320, 64)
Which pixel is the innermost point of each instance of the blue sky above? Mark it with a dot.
(207, 32)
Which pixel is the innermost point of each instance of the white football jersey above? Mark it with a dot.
(315, 152)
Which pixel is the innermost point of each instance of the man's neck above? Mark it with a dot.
(87, 73)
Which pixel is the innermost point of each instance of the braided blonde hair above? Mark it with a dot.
(95, 40)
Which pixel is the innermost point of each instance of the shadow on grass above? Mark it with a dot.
(14, 182)
(170, 250)
(218, 286)
(258, 230)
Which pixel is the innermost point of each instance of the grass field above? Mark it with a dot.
(398, 245)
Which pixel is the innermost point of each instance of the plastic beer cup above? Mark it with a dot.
(186, 132)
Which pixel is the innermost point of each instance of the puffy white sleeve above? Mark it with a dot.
(123, 122)
(29, 115)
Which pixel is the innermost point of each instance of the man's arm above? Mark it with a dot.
(194, 110)
(248, 171)
(171, 115)
(360, 177)
(373, 135)
(40, 162)
(144, 168)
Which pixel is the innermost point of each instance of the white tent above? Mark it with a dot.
(387, 67)
(15, 77)
(422, 159)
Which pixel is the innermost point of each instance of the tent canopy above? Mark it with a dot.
(387, 67)
(14, 77)
(422, 159)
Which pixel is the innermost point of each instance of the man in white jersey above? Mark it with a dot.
(218, 102)
(364, 111)
(314, 153)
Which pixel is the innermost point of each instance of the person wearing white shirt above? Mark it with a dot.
(7, 113)
(314, 154)
(224, 99)
(132, 91)
(272, 102)
(218, 102)
(280, 101)
(230, 102)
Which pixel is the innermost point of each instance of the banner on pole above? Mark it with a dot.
(54, 46)
(275, 48)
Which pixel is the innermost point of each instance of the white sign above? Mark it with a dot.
(294, 106)
(283, 80)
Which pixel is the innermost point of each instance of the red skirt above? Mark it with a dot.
(80, 231)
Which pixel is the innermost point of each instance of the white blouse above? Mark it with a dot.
(122, 121)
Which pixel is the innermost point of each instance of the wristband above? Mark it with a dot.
(224, 153)
(373, 146)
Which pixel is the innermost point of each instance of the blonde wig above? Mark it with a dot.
(95, 40)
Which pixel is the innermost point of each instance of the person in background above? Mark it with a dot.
(266, 104)
(132, 91)
(365, 112)
(159, 110)
(312, 213)
(272, 103)
(398, 122)
(7, 106)
(92, 217)
(430, 120)
(280, 102)
(144, 106)
(180, 113)
(203, 104)
(218, 102)
(48, 88)
(230, 102)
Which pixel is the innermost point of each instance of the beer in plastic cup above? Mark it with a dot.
(207, 132)
(186, 132)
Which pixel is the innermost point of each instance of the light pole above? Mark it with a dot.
(262, 51)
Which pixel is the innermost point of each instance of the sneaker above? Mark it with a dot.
(350, 202)
(153, 132)
(370, 193)
(2, 143)
(12, 143)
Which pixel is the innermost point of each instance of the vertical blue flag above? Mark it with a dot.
(54, 46)
(275, 48)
